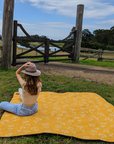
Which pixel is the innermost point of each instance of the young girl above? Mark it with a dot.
(31, 86)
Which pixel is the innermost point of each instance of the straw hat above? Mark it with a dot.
(32, 70)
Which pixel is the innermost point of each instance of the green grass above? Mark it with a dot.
(60, 84)
(50, 58)
(104, 63)
(108, 64)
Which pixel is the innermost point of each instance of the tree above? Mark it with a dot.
(86, 35)
(101, 36)
(112, 28)
(35, 36)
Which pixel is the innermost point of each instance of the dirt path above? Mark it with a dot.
(90, 73)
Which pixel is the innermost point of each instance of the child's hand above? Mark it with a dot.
(28, 64)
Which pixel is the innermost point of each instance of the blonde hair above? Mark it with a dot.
(31, 84)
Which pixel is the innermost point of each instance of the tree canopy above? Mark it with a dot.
(100, 36)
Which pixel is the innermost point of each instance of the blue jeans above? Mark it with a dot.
(19, 109)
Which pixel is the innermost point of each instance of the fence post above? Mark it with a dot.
(14, 42)
(100, 55)
(46, 56)
(77, 45)
(7, 33)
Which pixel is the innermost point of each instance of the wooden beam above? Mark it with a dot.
(7, 33)
(59, 55)
(46, 56)
(90, 56)
(95, 50)
(106, 51)
(89, 50)
(14, 43)
(0, 47)
(79, 19)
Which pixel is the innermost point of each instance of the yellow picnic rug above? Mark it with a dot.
(82, 115)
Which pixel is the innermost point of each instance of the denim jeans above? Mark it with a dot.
(19, 109)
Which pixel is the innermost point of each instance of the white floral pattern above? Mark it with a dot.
(81, 115)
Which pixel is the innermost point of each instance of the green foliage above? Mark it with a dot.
(109, 47)
(97, 45)
(34, 36)
(86, 35)
(99, 39)
(86, 44)
(70, 49)
(94, 45)
(101, 36)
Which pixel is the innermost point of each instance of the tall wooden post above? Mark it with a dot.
(46, 57)
(7, 33)
(14, 42)
(79, 19)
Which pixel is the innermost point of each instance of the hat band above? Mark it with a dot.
(30, 71)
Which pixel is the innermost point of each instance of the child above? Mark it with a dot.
(31, 86)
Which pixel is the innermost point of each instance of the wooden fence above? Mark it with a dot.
(7, 38)
(97, 54)
(46, 42)
(1, 56)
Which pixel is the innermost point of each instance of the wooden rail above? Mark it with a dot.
(44, 42)
(97, 54)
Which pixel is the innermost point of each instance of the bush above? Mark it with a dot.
(70, 48)
(85, 44)
(111, 48)
(94, 45)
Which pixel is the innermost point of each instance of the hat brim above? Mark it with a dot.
(37, 73)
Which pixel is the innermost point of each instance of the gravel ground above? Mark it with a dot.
(89, 73)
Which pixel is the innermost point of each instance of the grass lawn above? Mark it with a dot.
(90, 62)
(104, 63)
(60, 84)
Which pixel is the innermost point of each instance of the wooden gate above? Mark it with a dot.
(46, 42)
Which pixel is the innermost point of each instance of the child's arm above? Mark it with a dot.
(19, 71)
(39, 86)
